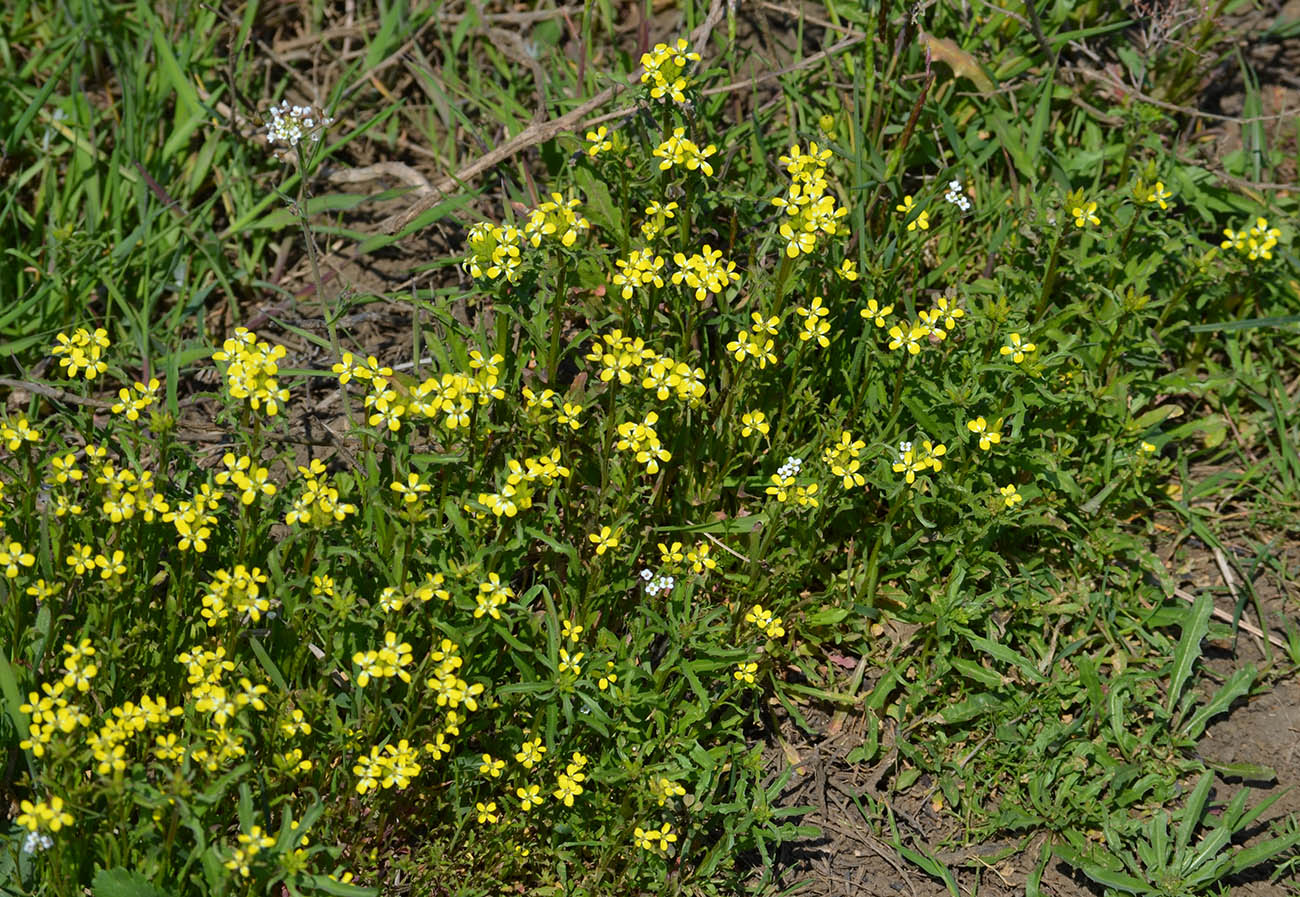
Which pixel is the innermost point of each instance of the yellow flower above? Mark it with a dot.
(1017, 348)
(19, 433)
(646, 839)
(754, 422)
(922, 218)
(605, 539)
(874, 312)
(487, 811)
(1085, 214)
(530, 753)
(1159, 195)
(491, 766)
(745, 672)
(570, 663)
(1010, 497)
(12, 557)
(529, 796)
(848, 270)
(988, 437)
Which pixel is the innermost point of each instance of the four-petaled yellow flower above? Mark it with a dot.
(754, 422)
(1010, 497)
(1085, 213)
(1159, 195)
(605, 539)
(988, 436)
(1017, 348)
(745, 672)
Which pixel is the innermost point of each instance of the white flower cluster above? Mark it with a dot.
(291, 124)
(657, 583)
(903, 449)
(790, 468)
(36, 841)
(956, 196)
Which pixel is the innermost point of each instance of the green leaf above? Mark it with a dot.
(1195, 624)
(1237, 685)
(1108, 878)
(1004, 654)
(13, 697)
(123, 883)
(327, 885)
(268, 665)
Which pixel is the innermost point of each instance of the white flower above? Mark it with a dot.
(37, 841)
(956, 196)
(291, 124)
(790, 468)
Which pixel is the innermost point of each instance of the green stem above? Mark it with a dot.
(1049, 277)
(557, 309)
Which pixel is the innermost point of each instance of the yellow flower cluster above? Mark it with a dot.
(1255, 242)
(657, 215)
(640, 269)
(784, 487)
(193, 520)
(678, 149)
(240, 590)
(49, 712)
(44, 816)
(705, 272)
(641, 439)
(815, 326)
(912, 460)
(449, 689)
(246, 476)
(765, 620)
(492, 595)
(665, 70)
(844, 461)
(556, 218)
(932, 326)
(250, 845)
(82, 352)
(521, 481)
(620, 356)
(664, 789)
(318, 504)
(251, 370)
(391, 660)
(810, 210)
(390, 766)
(494, 251)
(654, 840)
(755, 344)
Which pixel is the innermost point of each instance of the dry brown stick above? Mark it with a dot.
(1226, 617)
(53, 392)
(1226, 572)
(1185, 110)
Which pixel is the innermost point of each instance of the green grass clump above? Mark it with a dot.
(724, 406)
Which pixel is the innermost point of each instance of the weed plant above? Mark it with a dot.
(712, 415)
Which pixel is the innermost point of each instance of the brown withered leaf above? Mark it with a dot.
(963, 64)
